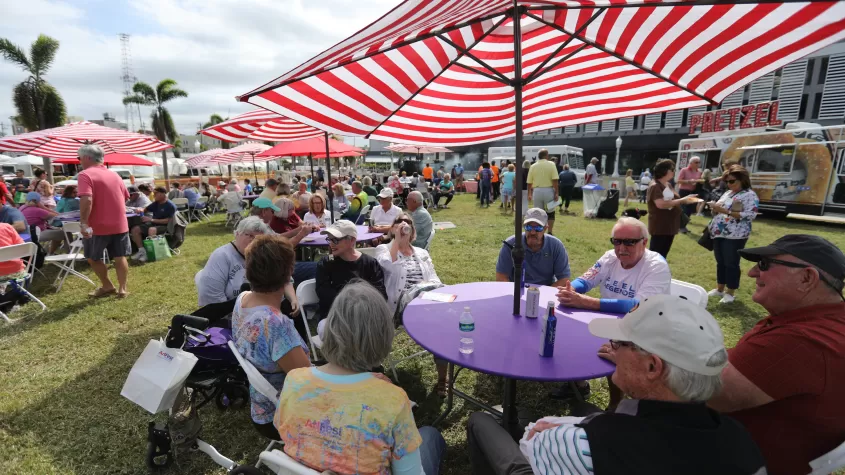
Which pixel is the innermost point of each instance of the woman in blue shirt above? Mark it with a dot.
(507, 186)
(68, 201)
(447, 189)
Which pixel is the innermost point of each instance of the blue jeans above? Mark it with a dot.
(485, 193)
(303, 271)
(727, 261)
(431, 450)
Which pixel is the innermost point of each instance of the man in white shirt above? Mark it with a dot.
(270, 187)
(591, 175)
(382, 217)
(669, 354)
(625, 275)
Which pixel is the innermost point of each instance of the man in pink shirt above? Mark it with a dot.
(102, 209)
(688, 179)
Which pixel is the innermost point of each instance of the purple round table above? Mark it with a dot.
(316, 239)
(74, 215)
(505, 345)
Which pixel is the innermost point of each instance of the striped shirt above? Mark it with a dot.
(413, 271)
(563, 450)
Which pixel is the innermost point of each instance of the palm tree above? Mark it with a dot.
(213, 120)
(38, 103)
(162, 121)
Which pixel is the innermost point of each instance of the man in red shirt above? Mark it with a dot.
(102, 210)
(785, 380)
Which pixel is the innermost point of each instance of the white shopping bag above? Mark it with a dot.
(157, 376)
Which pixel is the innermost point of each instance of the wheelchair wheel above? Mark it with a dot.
(232, 396)
(245, 470)
(158, 459)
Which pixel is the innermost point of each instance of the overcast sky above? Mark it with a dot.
(214, 49)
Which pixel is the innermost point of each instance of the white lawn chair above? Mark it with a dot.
(282, 464)
(199, 209)
(365, 213)
(306, 295)
(27, 250)
(66, 262)
(430, 238)
(370, 251)
(181, 206)
(693, 293)
(829, 462)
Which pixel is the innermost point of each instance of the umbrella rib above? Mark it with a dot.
(446, 68)
(539, 70)
(502, 78)
(685, 3)
(622, 58)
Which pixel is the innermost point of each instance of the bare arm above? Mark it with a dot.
(564, 282)
(502, 277)
(737, 393)
(556, 188)
(666, 204)
(84, 213)
(293, 359)
(20, 226)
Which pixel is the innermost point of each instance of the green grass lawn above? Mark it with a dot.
(61, 371)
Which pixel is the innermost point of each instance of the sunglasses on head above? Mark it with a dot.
(537, 228)
(626, 242)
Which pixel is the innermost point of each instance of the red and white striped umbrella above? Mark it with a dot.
(243, 152)
(64, 142)
(260, 125)
(203, 158)
(441, 72)
(400, 148)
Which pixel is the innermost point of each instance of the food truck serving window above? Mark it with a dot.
(775, 160)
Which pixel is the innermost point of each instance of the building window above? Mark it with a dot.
(823, 70)
(808, 77)
(817, 104)
(802, 111)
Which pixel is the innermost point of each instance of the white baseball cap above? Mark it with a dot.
(386, 193)
(674, 329)
(342, 228)
(536, 215)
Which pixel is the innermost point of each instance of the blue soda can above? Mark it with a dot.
(548, 331)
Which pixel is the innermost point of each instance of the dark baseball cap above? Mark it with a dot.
(132, 189)
(814, 250)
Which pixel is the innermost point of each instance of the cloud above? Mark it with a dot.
(214, 49)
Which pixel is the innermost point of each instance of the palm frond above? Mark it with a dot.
(169, 126)
(170, 94)
(43, 52)
(213, 120)
(23, 96)
(55, 113)
(136, 99)
(13, 53)
(163, 85)
(145, 91)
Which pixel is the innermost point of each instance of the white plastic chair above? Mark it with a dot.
(829, 462)
(306, 295)
(693, 293)
(66, 262)
(282, 464)
(199, 211)
(370, 251)
(27, 250)
(430, 238)
(365, 213)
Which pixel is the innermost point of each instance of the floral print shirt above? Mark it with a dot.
(728, 227)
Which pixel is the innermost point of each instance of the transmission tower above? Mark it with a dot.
(129, 80)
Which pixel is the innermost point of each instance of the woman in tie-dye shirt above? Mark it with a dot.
(341, 417)
(262, 333)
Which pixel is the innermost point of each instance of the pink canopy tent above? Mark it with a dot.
(446, 72)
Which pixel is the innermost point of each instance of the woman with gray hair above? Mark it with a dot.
(365, 419)
(225, 271)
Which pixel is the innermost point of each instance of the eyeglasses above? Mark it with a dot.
(616, 344)
(333, 240)
(406, 221)
(626, 242)
(765, 263)
(730, 182)
(537, 228)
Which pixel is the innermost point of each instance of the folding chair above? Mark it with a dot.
(27, 250)
(181, 206)
(365, 213)
(306, 295)
(66, 262)
(198, 209)
(370, 251)
(430, 238)
(692, 292)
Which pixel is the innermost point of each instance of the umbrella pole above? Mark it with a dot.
(311, 157)
(518, 252)
(329, 191)
(254, 171)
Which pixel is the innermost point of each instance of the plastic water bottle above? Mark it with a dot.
(467, 326)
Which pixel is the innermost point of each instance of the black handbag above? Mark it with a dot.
(706, 241)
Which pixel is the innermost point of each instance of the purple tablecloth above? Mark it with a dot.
(506, 345)
(74, 215)
(316, 239)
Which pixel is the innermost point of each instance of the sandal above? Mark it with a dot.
(122, 295)
(100, 292)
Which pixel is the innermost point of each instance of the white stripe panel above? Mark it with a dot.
(833, 97)
(652, 121)
(674, 119)
(761, 89)
(608, 125)
(791, 89)
(591, 127)
(626, 123)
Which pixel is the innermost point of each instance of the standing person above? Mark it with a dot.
(688, 179)
(664, 208)
(44, 188)
(592, 175)
(507, 187)
(19, 182)
(703, 190)
(102, 217)
(542, 185)
(320, 174)
(5, 195)
(495, 181)
(784, 378)
(459, 177)
(645, 180)
(730, 228)
(428, 173)
(630, 187)
(566, 179)
(485, 177)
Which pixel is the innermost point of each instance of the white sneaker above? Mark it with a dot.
(728, 298)
(139, 254)
(142, 258)
(715, 293)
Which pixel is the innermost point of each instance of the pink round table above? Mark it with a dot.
(505, 345)
(316, 239)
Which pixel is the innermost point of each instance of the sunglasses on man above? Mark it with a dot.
(537, 228)
(333, 240)
(765, 263)
(625, 242)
